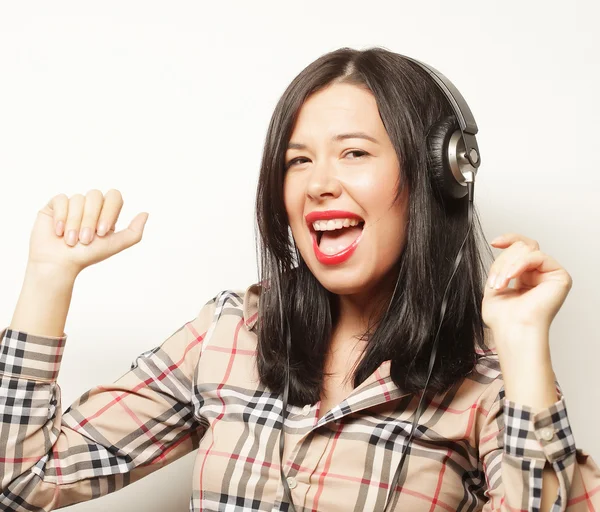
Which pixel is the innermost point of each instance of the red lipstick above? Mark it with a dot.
(342, 256)
(330, 214)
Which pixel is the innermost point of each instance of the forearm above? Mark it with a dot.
(526, 365)
(530, 380)
(44, 301)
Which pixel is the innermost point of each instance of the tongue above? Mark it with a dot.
(335, 241)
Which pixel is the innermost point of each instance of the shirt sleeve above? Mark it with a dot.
(514, 446)
(110, 436)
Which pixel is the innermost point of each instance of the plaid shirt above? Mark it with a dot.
(199, 390)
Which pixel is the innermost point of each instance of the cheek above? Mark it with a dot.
(395, 229)
(377, 198)
(376, 186)
(390, 218)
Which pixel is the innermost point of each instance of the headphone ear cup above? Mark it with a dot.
(438, 141)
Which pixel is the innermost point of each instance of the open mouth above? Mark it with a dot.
(334, 241)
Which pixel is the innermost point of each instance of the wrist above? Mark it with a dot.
(515, 332)
(526, 365)
(44, 301)
(50, 274)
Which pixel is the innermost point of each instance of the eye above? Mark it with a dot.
(356, 152)
(294, 161)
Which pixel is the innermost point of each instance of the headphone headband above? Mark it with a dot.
(466, 121)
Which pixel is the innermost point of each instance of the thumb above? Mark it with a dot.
(131, 235)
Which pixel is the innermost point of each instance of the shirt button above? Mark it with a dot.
(547, 434)
(306, 410)
(291, 482)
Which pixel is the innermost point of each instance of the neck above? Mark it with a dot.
(356, 312)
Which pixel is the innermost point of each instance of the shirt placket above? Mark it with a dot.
(310, 438)
(309, 445)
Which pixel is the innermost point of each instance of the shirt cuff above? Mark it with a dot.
(543, 435)
(28, 356)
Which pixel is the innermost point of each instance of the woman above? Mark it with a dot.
(348, 140)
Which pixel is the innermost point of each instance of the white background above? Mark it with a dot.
(169, 102)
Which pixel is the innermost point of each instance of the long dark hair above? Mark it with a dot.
(409, 105)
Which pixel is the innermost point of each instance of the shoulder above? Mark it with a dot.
(486, 375)
(241, 303)
(229, 345)
(230, 313)
(480, 392)
(483, 391)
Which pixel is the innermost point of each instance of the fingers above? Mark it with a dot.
(518, 247)
(78, 218)
(520, 260)
(74, 215)
(131, 235)
(113, 203)
(525, 262)
(59, 206)
(93, 205)
(507, 239)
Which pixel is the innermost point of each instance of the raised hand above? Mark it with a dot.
(541, 286)
(73, 233)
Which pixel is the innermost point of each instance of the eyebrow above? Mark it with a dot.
(337, 138)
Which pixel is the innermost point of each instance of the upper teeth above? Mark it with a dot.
(330, 225)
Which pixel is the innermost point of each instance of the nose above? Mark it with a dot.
(323, 183)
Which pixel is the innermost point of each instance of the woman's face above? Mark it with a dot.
(341, 158)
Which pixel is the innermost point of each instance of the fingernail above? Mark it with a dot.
(496, 240)
(86, 235)
(60, 225)
(492, 278)
(102, 229)
(71, 237)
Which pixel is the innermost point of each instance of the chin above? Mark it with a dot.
(343, 281)
(342, 288)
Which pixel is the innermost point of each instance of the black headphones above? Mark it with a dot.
(454, 153)
(458, 152)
